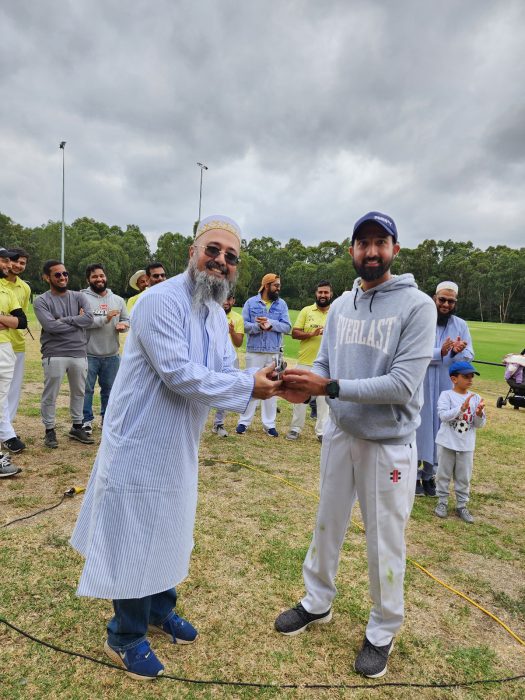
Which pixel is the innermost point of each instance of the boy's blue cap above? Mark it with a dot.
(383, 220)
(461, 368)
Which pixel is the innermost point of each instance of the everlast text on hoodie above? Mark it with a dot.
(378, 344)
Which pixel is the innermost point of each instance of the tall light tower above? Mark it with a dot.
(63, 240)
(202, 167)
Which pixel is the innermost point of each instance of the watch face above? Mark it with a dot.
(332, 390)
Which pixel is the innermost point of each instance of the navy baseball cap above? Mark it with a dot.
(382, 220)
(461, 368)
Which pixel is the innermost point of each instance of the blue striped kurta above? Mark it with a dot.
(135, 527)
(437, 380)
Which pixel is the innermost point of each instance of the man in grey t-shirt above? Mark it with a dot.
(64, 316)
(110, 318)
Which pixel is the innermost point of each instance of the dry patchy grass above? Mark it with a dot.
(251, 536)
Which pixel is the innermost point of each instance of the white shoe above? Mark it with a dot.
(87, 427)
(220, 430)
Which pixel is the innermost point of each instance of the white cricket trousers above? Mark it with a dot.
(457, 465)
(10, 406)
(268, 406)
(383, 478)
(299, 411)
(7, 367)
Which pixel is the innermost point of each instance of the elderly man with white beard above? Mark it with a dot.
(135, 528)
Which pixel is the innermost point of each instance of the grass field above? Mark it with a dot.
(252, 532)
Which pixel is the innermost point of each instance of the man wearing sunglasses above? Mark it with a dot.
(452, 344)
(155, 273)
(64, 316)
(135, 528)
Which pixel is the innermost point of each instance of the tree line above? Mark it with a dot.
(491, 282)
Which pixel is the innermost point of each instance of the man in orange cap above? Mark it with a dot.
(265, 318)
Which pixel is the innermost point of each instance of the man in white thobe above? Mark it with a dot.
(135, 528)
(452, 344)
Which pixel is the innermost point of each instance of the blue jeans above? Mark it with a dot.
(425, 471)
(129, 626)
(105, 368)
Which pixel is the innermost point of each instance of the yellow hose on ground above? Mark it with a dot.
(360, 527)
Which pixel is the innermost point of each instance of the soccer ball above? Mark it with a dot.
(462, 426)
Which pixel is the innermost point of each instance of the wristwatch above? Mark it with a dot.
(332, 389)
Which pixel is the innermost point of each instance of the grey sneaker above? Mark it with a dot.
(296, 620)
(87, 427)
(441, 510)
(465, 514)
(50, 439)
(371, 660)
(220, 430)
(81, 436)
(6, 468)
(292, 435)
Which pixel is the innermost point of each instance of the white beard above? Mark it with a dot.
(208, 287)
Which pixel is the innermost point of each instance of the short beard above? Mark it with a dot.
(97, 290)
(323, 302)
(374, 273)
(208, 288)
(273, 296)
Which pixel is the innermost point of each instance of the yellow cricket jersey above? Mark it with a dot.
(132, 300)
(22, 292)
(8, 302)
(238, 323)
(308, 320)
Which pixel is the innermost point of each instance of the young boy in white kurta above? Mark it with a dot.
(461, 412)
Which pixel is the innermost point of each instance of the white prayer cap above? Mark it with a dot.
(218, 221)
(447, 285)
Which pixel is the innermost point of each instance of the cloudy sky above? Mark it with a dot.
(307, 113)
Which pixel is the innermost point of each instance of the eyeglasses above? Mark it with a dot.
(213, 252)
(159, 275)
(58, 275)
(444, 300)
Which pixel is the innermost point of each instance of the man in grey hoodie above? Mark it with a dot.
(375, 350)
(110, 318)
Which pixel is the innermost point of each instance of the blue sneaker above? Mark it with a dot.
(140, 662)
(272, 432)
(240, 429)
(179, 630)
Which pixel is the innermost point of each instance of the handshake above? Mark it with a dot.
(294, 385)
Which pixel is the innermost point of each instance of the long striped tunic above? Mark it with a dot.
(135, 527)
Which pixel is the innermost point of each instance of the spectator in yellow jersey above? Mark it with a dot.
(236, 331)
(308, 328)
(138, 281)
(22, 291)
(11, 316)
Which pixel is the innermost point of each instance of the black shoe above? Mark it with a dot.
(81, 436)
(14, 445)
(50, 439)
(420, 491)
(429, 487)
(297, 619)
(371, 660)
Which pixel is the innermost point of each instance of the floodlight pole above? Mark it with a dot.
(202, 167)
(63, 239)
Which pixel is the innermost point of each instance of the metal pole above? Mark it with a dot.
(202, 167)
(63, 239)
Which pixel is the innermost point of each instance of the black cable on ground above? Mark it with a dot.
(32, 515)
(277, 686)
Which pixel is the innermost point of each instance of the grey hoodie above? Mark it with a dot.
(378, 345)
(103, 339)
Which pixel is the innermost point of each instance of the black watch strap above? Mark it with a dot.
(332, 389)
